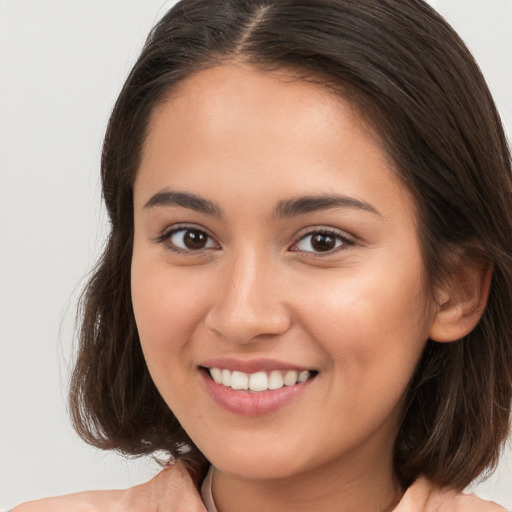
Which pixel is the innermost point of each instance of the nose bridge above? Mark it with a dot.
(249, 303)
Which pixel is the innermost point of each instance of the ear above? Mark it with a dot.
(461, 301)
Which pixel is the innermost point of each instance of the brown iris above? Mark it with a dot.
(195, 239)
(323, 242)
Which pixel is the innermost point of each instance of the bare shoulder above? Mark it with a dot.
(89, 501)
(172, 489)
(425, 496)
(471, 502)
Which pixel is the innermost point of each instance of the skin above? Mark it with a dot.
(172, 490)
(359, 314)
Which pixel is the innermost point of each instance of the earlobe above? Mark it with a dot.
(461, 303)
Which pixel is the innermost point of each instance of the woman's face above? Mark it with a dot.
(275, 249)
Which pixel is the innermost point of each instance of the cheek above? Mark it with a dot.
(373, 325)
(167, 312)
(167, 309)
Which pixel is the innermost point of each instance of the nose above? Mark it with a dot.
(251, 301)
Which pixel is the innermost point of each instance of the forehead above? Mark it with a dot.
(235, 123)
(251, 87)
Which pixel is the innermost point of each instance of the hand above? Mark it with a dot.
(172, 490)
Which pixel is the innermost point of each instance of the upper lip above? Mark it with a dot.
(251, 365)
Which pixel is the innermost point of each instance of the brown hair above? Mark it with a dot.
(419, 87)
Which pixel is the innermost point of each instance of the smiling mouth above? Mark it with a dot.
(259, 381)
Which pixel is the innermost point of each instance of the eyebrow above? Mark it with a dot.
(185, 200)
(288, 208)
(308, 204)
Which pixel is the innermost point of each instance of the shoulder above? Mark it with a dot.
(424, 496)
(173, 490)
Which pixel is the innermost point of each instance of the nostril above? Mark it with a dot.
(246, 328)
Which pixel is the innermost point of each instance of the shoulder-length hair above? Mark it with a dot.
(416, 83)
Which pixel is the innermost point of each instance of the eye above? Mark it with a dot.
(189, 240)
(321, 242)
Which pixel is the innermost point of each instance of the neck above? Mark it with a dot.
(354, 487)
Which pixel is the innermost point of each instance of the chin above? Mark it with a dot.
(255, 463)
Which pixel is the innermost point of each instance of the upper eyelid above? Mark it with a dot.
(348, 239)
(164, 240)
(323, 229)
(168, 231)
(301, 234)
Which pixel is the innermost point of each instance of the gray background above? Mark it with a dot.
(62, 63)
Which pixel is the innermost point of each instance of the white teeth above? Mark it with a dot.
(259, 381)
(303, 376)
(239, 380)
(290, 378)
(226, 378)
(275, 380)
(216, 375)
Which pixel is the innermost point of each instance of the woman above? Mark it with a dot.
(306, 292)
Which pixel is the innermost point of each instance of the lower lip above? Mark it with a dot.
(249, 403)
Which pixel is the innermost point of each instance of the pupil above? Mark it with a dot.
(195, 239)
(323, 242)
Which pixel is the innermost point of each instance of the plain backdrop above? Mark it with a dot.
(62, 63)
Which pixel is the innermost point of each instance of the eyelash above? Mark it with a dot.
(342, 241)
(167, 235)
